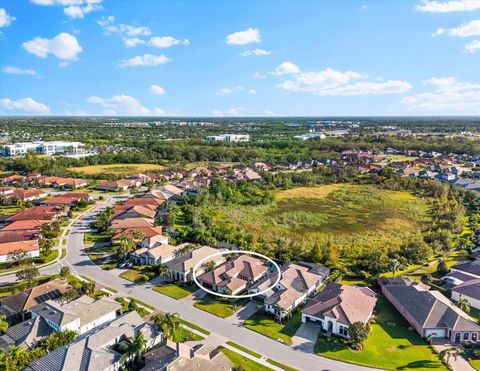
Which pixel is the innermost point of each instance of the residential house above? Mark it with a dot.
(29, 246)
(13, 179)
(6, 191)
(297, 282)
(80, 315)
(155, 255)
(99, 350)
(338, 306)
(49, 213)
(122, 224)
(183, 357)
(62, 200)
(152, 236)
(181, 267)
(22, 302)
(26, 334)
(470, 268)
(430, 313)
(29, 194)
(114, 186)
(469, 290)
(33, 226)
(235, 275)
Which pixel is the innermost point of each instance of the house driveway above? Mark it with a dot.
(459, 364)
(243, 313)
(305, 337)
(197, 295)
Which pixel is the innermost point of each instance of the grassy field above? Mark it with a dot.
(354, 217)
(267, 326)
(116, 169)
(391, 345)
(242, 363)
(176, 291)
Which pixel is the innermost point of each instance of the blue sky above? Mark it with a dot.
(239, 58)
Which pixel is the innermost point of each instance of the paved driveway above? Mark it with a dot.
(243, 313)
(305, 338)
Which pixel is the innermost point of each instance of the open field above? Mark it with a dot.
(354, 217)
(391, 345)
(116, 169)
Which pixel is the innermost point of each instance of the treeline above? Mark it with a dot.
(440, 234)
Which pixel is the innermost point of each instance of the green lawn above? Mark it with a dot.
(182, 335)
(90, 237)
(132, 275)
(195, 327)
(281, 365)
(243, 349)
(267, 326)
(390, 346)
(176, 291)
(217, 307)
(242, 363)
(7, 210)
(475, 363)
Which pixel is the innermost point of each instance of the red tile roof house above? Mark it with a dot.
(13, 179)
(430, 313)
(29, 194)
(29, 246)
(235, 275)
(297, 282)
(122, 224)
(339, 306)
(39, 213)
(115, 186)
(134, 212)
(72, 183)
(6, 191)
(61, 201)
(153, 236)
(33, 226)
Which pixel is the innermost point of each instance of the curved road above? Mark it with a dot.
(81, 264)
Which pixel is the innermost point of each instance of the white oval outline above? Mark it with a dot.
(279, 275)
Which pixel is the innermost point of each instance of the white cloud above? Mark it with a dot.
(364, 7)
(235, 111)
(472, 46)
(233, 89)
(5, 18)
(157, 89)
(448, 96)
(166, 41)
(20, 71)
(25, 105)
(144, 60)
(217, 112)
(332, 82)
(63, 46)
(257, 75)
(434, 6)
(73, 8)
(269, 113)
(255, 52)
(471, 28)
(130, 42)
(250, 35)
(109, 26)
(124, 105)
(286, 68)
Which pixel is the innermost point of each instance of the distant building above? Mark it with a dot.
(310, 136)
(230, 138)
(41, 147)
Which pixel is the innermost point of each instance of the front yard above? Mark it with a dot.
(133, 275)
(176, 291)
(218, 307)
(242, 363)
(391, 345)
(266, 325)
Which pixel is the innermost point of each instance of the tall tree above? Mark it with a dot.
(169, 323)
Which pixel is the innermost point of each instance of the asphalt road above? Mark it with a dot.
(81, 264)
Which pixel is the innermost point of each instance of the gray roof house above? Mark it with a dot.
(80, 315)
(471, 268)
(429, 312)
(469, 290)
(98, 350)
(26, 334)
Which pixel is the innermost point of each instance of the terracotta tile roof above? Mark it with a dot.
(60, 200)
(15, 236)
(147, 231)
(37, 213)
(8, 247)
(27, 193)
(130, 223)
(347, 304)
(24, 224)
(135, 209)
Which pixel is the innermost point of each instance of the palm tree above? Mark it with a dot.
(464, 305)
(3, 324)
(394, 265)
(169, 323)
(447, 353)
(162, 270)
(138, 345)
